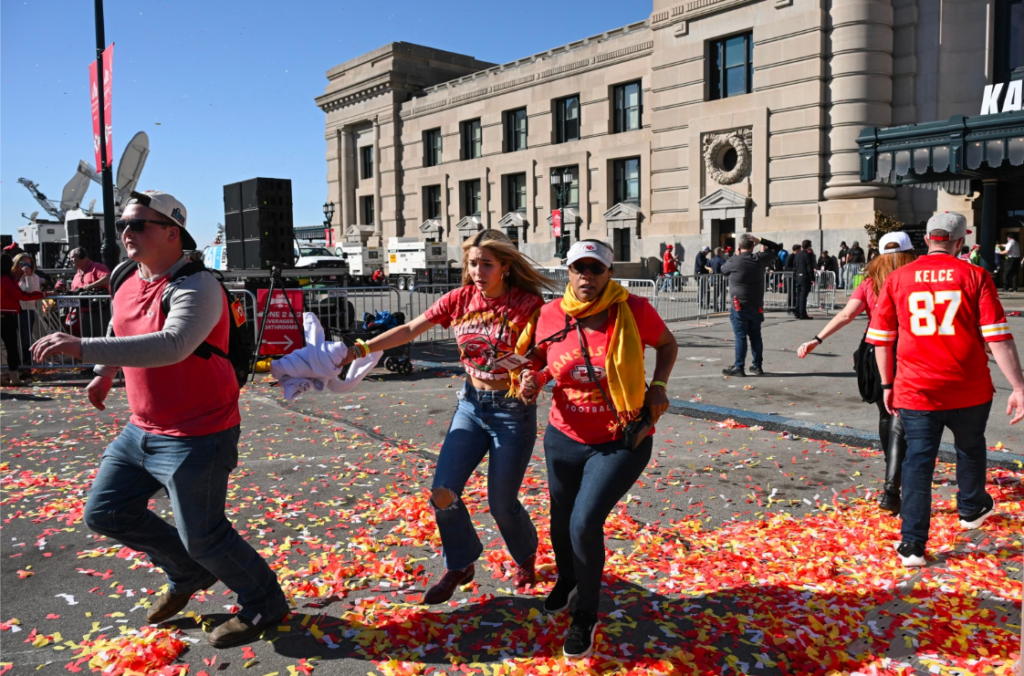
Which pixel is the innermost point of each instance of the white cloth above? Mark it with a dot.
(30, 283)
(315, 367)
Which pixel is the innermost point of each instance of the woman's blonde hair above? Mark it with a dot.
(882, 265)
(23, 257)
(520, 273)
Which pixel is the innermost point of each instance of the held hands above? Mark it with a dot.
(1015, 406)
(656, 401)
(98, 390)
(529, 386)
(806, 348)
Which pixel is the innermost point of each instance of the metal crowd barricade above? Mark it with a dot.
(421, 297)
(680, 297)
(779, 291)
(824, 293)
(78, 315)
(341, 309)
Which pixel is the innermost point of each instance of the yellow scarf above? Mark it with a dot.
(624, 360)
(523, 345)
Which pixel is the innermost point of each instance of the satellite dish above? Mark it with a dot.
(32, 216)
(92, 206)
(86, 169)
(130, 168)
(74, 192)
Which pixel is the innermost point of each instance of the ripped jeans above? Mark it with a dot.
(485, 423)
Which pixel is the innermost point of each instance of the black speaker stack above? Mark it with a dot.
(258, 227)
(85, 232)
(6, 241)
(50, 254)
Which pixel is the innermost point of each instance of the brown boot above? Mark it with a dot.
(167, 606)
(525, 574)
(446, 586)
(239, 630)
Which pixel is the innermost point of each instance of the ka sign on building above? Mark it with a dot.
(1011, 102)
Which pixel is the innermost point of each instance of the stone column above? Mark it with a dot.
(989, 217)
(347, 215)
(860, 94)
(378, 217)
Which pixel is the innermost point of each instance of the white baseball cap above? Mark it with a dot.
(900, 238)
(166, 204)
(950, 221)
(590, 249)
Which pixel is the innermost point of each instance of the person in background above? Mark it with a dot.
(719, 283)
(975, 257)
(965, 253)
(701, 271)
(789, 281)
(746, 272)
(942, 313)
(898, 251)
(669, 267)
(1011, 263)
(30, 282)
(92, 277)
(589, 465)
(872, 253)
(783, 255)
(378, 276)
(11, 297)
(803, 278)
(855, 260)
(843, 253)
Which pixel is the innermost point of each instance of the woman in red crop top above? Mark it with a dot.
(589, 465)
(492, 315)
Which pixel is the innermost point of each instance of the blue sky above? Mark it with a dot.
(225, 88)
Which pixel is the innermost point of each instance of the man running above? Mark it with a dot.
(941, 312)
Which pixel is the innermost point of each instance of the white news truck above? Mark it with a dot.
(363, 261)
(410, 258)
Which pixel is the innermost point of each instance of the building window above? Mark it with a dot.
(515, 130)
(366, 209)
(366, 162)
(567, 119)
(731, 71)
(1009, 52)
(627, 180)
(628, 107)
(472, 139)
(432, 148)
(470, 197)
(515, 192)
(566, 197)
(432, 201)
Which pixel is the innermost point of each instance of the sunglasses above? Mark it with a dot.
(136, 225)
(582, 268)
(25, 264)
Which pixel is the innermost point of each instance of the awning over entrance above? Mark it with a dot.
(950, 155)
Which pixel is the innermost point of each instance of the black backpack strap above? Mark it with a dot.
(120, 276)
(205, 349)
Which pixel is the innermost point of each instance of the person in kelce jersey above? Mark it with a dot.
(590, 466)
(944, 312)
(492, 315)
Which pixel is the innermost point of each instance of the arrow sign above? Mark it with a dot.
(282, 334)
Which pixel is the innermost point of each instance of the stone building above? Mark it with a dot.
(707, 119)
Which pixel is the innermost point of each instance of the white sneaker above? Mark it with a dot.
(977, 519)
(911, 554)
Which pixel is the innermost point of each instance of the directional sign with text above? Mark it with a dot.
(282, 334)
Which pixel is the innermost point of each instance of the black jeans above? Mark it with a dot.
(803, 290)
(9, 328)
(585, 483)
(1011, 273)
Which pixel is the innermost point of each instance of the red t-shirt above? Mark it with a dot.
(482, 324)
(944, 310)
(865, 293)
(94, 273)
(192, 398)
(579, 411)
(670, 264)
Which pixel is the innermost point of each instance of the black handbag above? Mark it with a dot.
(869, 381)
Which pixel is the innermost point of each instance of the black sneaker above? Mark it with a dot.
(560, 597)
(911, 554)
(975, 520)
(734, 371)
(756, 371)
(889, 502)
(579, 642)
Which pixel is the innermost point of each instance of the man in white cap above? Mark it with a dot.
(941, 312)
(170, 334)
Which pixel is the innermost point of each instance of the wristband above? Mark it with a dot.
(820, 341)
(361, 348)
(659, 383)
(887, 387)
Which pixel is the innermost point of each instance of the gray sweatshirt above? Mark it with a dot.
(194, 308)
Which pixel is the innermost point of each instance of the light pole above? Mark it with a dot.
(110, 252)
(328, 217)
(561, 182)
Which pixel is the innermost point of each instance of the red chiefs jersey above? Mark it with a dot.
(943, 310)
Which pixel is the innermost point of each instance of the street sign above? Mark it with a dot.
(69, 302)
(108, 63)
(282, 334)
(556, 222)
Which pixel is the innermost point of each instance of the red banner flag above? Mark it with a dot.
(108, 62)
(556, 222)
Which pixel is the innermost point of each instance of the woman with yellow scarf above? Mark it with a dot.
(591, 465)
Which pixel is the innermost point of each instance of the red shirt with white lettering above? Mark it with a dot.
(944, 310)
(486, 329)
(192, 398)
(578, 410)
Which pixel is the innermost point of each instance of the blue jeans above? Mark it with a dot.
(923, 432)
(194, 472)
(486, 422)
(586, 482)
(746, 323)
